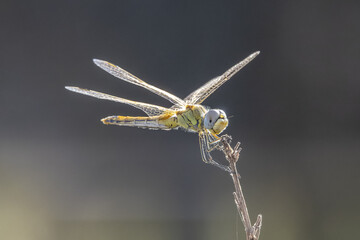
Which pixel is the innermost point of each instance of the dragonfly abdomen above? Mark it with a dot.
(141, 122)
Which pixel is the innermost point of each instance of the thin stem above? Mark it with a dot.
(232, 156)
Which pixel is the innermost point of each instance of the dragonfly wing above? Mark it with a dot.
(149, 109)
(128, 77)
(199, 95)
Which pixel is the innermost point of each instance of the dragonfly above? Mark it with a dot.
(187, 114)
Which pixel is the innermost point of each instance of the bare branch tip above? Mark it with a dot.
(258, 222)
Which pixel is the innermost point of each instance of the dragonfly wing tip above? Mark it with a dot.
(97, 61)
(256, 53)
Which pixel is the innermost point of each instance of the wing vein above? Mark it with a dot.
(199, 95)
(120, 73)
(149, 109)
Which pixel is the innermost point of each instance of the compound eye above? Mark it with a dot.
(210, 118)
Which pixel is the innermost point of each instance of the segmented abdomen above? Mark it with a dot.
(141, 122)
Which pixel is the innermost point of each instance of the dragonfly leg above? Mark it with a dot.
(214, 142)
(215, 146)
(211, 146)
(205, 153)
(223, 167)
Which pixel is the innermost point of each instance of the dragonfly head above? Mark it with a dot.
(215, 120)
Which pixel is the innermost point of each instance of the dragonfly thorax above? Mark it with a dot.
(197, 118)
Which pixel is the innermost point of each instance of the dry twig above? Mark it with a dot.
(232, 156)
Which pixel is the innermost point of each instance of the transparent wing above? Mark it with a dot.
(199, 95)
(128, 77)
(149, 109)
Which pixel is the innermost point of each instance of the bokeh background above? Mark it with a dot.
(295, 108)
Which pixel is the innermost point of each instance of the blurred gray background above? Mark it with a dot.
(295, 108)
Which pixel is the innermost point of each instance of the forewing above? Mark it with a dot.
(128, 77)
(199, 95)
(149, 109)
